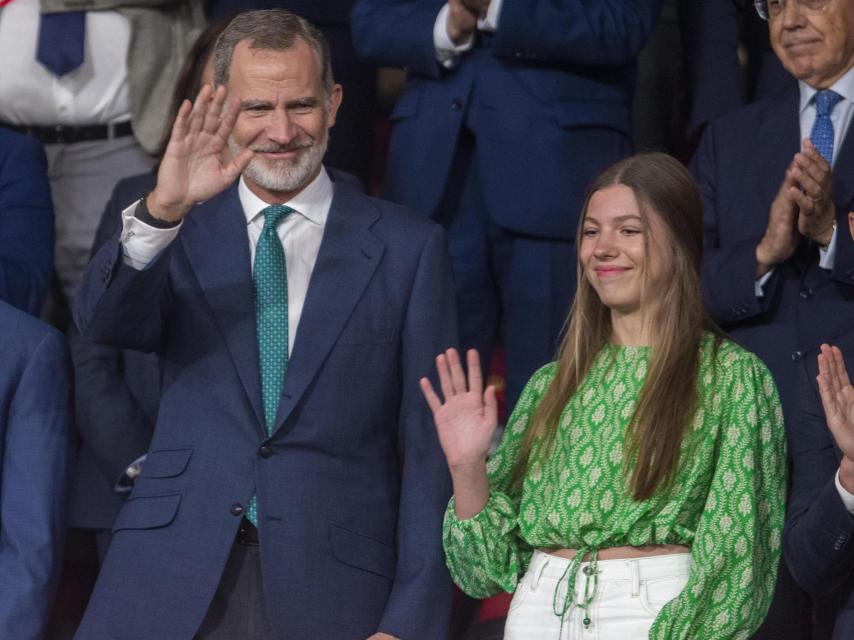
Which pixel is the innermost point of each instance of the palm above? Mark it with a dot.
(192, 169)
(466, 420)
(837, 398)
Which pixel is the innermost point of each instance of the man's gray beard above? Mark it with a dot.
(284, 175)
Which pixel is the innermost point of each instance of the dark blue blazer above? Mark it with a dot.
(351, 486)
(116, 393)
(818, 542)
(26, 222)
(547, 97)
(35, 461)
(739, 166)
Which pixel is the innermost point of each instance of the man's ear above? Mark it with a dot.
(335, 97)
(851, 223)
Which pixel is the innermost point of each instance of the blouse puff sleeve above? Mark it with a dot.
(485, 553)
(737, 544)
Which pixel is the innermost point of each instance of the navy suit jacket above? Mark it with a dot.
(547, 97)
(739, 166)
(818, 542)
(26, 222)
(35, 457)
(117, 394)
(351, 486)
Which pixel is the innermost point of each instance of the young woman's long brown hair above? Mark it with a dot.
(667, 402)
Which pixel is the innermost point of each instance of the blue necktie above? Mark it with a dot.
(61, 41)
(822, 130)
(270, 277)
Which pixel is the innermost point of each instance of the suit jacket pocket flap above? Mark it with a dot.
(166, 463)
(592, 113)
(148, 512)
(362, 552)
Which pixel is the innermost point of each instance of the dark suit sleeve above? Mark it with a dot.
(35, 472)
(607, 32)
(728, 272)
(419, 604)
(817, 542)
(26, 224)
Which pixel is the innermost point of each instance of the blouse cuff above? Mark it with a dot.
(499, 513)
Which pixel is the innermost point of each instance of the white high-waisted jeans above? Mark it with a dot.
(628, 597)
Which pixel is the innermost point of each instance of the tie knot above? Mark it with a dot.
(274, 214)
(825, 100)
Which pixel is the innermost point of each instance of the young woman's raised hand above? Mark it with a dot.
(467, 418)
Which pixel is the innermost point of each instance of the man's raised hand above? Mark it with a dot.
(193, 168)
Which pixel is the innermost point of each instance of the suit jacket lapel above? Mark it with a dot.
(348, 256)
(780, 133)
(218, 247)
(843, 173)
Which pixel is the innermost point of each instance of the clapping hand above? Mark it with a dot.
(837, 398)
(814, 196)
(192, 169)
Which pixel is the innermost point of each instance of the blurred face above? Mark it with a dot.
(621, 252)
(284, 117)
(815, 43)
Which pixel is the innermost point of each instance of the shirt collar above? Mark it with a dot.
(844, 87)
(313, 202)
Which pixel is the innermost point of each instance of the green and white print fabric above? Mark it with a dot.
(727, 500)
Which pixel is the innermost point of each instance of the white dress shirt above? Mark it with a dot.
(446, 50)
(94, 93)
(841, 119)
(301, 233)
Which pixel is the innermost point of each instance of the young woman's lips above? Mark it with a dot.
(606, 272)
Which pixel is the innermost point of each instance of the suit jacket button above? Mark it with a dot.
(457, 104)
(237, 509)
(797, 355)
(265, 451)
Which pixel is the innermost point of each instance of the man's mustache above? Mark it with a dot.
(283, 148)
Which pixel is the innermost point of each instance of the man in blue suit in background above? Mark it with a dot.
(294, 487)
(777, 180)
(35, 464)
(511, 107)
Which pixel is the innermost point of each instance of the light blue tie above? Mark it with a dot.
(822, 130)
(270, 277)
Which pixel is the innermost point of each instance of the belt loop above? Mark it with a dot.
(539, 574)
(635, 577)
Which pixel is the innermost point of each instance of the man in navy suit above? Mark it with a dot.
(511, 107)
(35, 456)
(777, 178)
(308, 507)
(818, 541)
(26, 222)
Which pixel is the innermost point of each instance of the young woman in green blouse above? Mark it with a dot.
(638, 491)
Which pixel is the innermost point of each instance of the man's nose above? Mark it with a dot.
(792, 15)
(281, 128)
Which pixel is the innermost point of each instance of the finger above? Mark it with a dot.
(200, 107)
(211, 123)
(237, 164)
(825, 367)
(490, 405)
(458, 376)
(181, 124)
(842, 370)
(444, 376)
(803, 201)
(816, 170)
(230, 111)
(810, 150)
(475, 375)
(808, 182)
(430, 396)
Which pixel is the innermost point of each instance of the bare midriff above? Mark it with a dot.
(623, 553)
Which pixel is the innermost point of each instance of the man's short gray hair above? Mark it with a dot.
(272, 29)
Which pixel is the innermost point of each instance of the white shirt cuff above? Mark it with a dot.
(142, 243)
(847, 498)
(446, 50)
(827, 255)
(490, 21)
(759, 285)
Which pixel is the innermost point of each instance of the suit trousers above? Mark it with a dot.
(238, 610)
(510, 287)
(627, 598)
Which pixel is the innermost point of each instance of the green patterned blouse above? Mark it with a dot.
(726, 503)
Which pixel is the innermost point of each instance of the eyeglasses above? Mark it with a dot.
(769, 9)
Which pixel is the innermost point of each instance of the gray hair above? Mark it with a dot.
(271, 29)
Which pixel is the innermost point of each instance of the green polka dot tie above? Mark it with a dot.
(270, 277)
